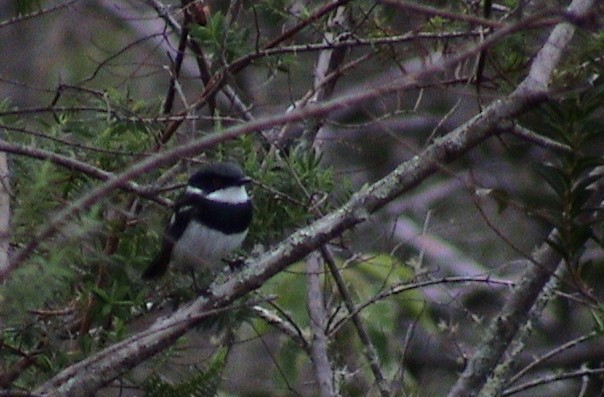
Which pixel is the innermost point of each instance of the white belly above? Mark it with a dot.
(202, 248)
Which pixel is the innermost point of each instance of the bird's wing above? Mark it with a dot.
(174, 230)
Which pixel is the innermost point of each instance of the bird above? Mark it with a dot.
(210, 220)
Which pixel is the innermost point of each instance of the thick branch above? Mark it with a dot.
(497, 381)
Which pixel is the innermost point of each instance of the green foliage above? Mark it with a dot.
(224, 41)
(275, 11)
(573, 121)
(70, 277)
(290, 288)
(201, 383)
(289, 186)
(367, 278)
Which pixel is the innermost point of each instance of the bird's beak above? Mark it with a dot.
(245, 180)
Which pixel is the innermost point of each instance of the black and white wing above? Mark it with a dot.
(183, 212)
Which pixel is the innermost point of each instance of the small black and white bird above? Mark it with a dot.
(210, 220)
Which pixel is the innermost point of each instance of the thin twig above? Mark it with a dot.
(412, 285)
(5, 213)
(531, 136)
(560, 349)
(553, 378)
(369, 351)
(285, 326)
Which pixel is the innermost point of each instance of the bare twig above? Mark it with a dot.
(531, 136)
(369, 351)
(553, 378)
(558, 350)
(284, 326)
(176, 67)
(351, 42)
(15, 393)
(432, 12)
(412, 285)
(326, 76)
(312, 18)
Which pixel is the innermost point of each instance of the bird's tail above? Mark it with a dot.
(158, 266)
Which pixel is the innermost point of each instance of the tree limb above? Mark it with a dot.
(318, 324)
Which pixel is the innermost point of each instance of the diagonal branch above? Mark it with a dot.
(77, 165)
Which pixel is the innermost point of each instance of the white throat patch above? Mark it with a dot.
(231, 195)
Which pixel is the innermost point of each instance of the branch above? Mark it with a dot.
(554, 378)
(422, 284)
(540, 360)
(326, 75)
(432, 12)
(318, 324)
(286, 327)
(36, 14)
(369, 350)
(499, 379)
(545, 142)
(515, 312)
(80, 166)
